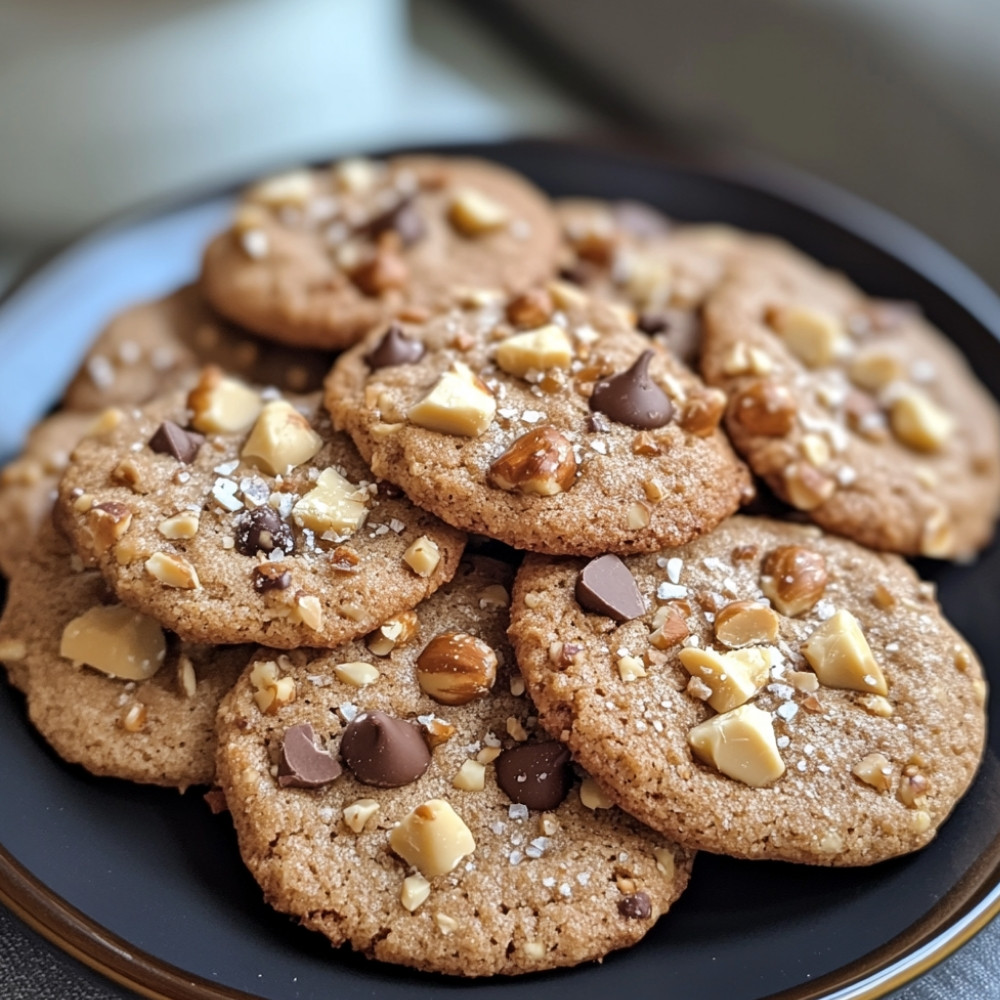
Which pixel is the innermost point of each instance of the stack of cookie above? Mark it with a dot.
(236, 558)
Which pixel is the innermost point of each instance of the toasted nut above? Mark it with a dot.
(395, 632)
(134, 718)
(415, 891)
(645, 444)
(592, 795)
(423, 556)
(654, 490)
(666, 864)
(437, 731)
(488, 754)
(281, 439)
(803, 680)
(358, 813)
(117, 641)
(913, 787)
(744, 622)
(309, 611)
(383, 270)
(839, 653)
(832, 842)
(741, 745)
(432, 838)
(637, 516)
(567, 296)
(873, 368)
(356, 175)
(918, 422)
(128, 474)
(183, 525)
(874, 770)
(815, 449)
(456, 667)
(471, 776)
(883, 598)
(937, 537)
(357, 673)
(530, 310)
(106, 421)
(515, 729)
(702, 411)
(445, 924)
(669, 627)
(734, 677)
(876, 705)
(12, 650)
(793, 578)
(764, 407)
(815, 337)
(473, 213)
(919, 821)
(107, 523)
(744, 360)
(539, 463)
(173, 571)
(334, 504)
(221, 405)
(494, 596)
(630, 668)
(459, 403)
(187, 680)
(538, 350)
(294, 188)
(533, 950)
(271, 690)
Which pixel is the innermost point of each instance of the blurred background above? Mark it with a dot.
(105, 104)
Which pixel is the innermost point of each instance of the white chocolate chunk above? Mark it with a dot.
(423, 556)
(539, 350)
(471, 776)
(839, 653)
(874, 368)
(433, 838)
(473, 213)
(415, 891)
(459, 403)
(117, 641)
(221, 405)
(815, 337)
(918, 422)
(333, 504)
(734, 677)
(592, 795)
(357, 814)
(281, 439)
(741, 745)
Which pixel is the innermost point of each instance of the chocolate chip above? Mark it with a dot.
(635, 906)
(302, 763)
(270, 576)
(651, 323)
(395, 348)
(171, 439)
(632, 397)
(639, 220)
(262, 530)
(401, 217)
(576, 274)
(535, 774)
(383, 751)
(606, 587)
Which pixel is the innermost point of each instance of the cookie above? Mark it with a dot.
(316, 258)
(437, 830)
(259, 523)
(145, 711)
(151, 348)
(544, 422)
(855, 411)
(768, 691)
(28, 483)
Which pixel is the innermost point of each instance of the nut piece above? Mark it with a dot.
(471, 776)
(117, 641)
(918, 422)
(873, 368)
(793, 578)
(592, 795)
(530, 309)
(764, 407)
(734, 678)
(293, 188)
(281, 439)
(744, 622)
(183, 525)
(271, 690)
(535, 350)
(395, 632)
(108, 522)
(221, 405)
(817, 338)
(806, 487)
(173, 571)
(334, 504)
(839, 653)
(630, 668)
(432, 838)
(459, 403)
(702, 411)
(415, 891)
(539, 463)
(472, 213)
(357, 814)
(874, 770)
(423, 556)
(913, 787)
(357, 673)
(456, 667)
(741, 745)
(669, 627)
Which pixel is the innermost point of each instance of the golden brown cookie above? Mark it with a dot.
(405, 801)
(768, 691)
(316, 258)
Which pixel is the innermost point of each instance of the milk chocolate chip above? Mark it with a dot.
(635, 906)
(632, 397)
(270, 576)
(171, 439)
(535, 774)
(302, 763)
(383, 751)
(395, 348)
(262, 530)
(606, 587)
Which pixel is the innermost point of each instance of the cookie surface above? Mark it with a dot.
(273, 530)
(849, 775)
(855, 411)
(160, 730)
(151, 348)
(316, 258)
(498, 426)
(534, 888)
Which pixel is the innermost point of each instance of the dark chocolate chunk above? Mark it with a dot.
(652, 323)
(641, 221)
(535, 774)
(401, 217)
(302, 763)
(395, 348)
(606, 587)
(270, 576)
(383, 751)
(262, 530)
(632, 397)
(635, 906)
(171, 439)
